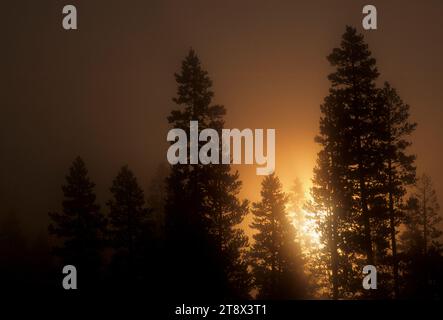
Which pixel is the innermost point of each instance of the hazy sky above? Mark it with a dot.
(104, 91)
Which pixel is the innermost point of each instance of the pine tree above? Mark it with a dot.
(129, 226)
(80, 226)
(275, 256)
(399, 166)
(328, 206)
(202, 206)
(423, 217)
(421, 241)
(353, 89)
(156, 197)
(225, 214)
(349, 187)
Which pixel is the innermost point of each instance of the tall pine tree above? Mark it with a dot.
(130, 228)
(350, 191)
(80, 227)
(354, 92)
(276, 260)
(203, 212)
(399, 169)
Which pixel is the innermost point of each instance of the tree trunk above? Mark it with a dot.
(366, 219)
(392, 230)
(334, 256)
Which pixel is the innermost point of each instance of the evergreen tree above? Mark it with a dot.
(275, 256)
(329, 205)
(399, 166)
(156, 197)
(425, 214)
(226, 213)
(421, 242)
(80, 226)
(349, 189)
(423, 218)
(202, 208)
(353, 93)
(129, 227)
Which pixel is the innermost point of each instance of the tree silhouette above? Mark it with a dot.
(80, 226)
(421, 242)
(353, 91)
(399, 166)
(362, 171)
(129, 227)
(424, 214)
(202, 209)
(156, 197)
(275, 256)
(328, 193)
(345, 171)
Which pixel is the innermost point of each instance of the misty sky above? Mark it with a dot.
(103, 92)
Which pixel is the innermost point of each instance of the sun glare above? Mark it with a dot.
(305, 226)
(306, 229)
